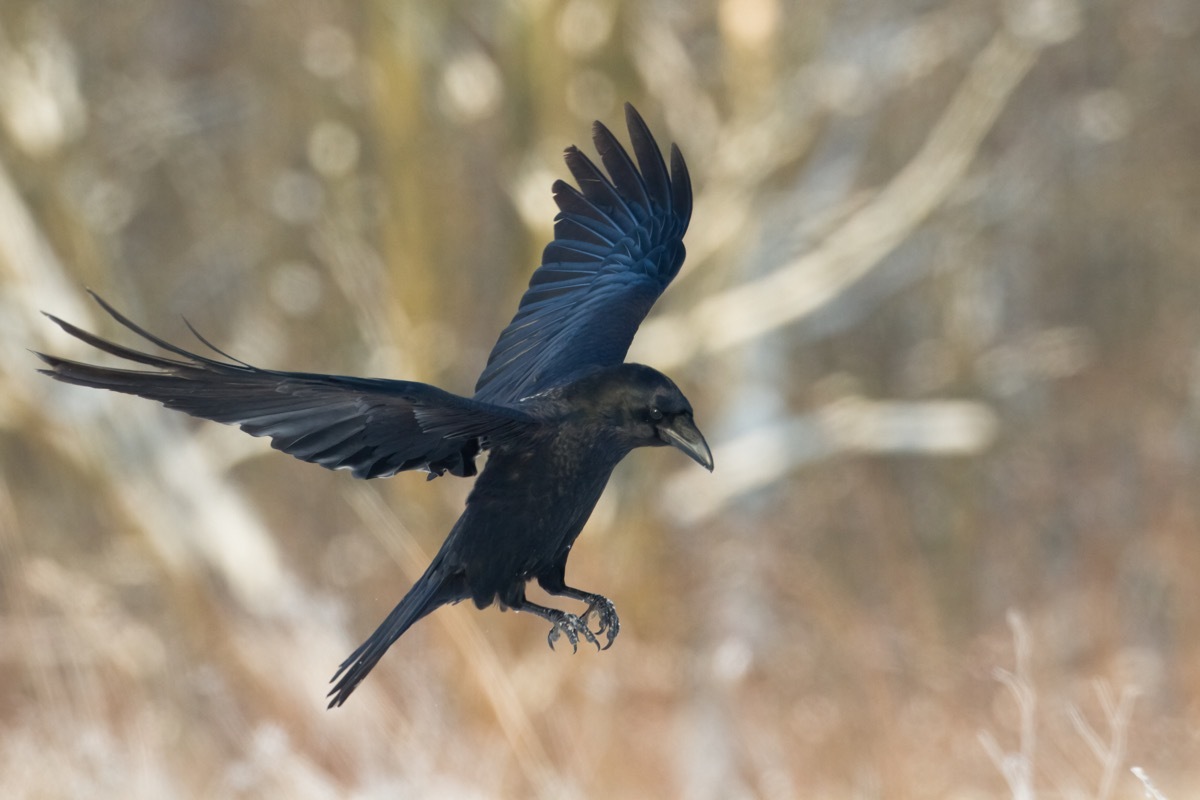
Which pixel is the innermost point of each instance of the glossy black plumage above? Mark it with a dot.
(617, 244)
(555, 405)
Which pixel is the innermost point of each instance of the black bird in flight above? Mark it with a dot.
(556, 406)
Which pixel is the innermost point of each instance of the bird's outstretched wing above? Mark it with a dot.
(617, 244)
(372, 427)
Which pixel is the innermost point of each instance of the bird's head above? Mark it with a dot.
(641, 407)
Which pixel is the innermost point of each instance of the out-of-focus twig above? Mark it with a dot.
(1017, 767)
(32, 273)
(1110, 754)
(1152, 792)
(757, 459)
(796, 290)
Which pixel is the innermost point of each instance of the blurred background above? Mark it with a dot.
(940, 320)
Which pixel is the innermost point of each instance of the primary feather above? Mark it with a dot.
(618, 242)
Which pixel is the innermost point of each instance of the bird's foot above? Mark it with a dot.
(573, 628)
(607, 621)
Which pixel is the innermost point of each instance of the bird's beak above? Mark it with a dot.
(681, 432)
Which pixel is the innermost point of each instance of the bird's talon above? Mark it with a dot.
(570, 626)
(573, 628)
(607, 621)
(591, 637)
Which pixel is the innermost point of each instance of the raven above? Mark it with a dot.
(556, 406)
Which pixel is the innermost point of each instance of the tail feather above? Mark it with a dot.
(436, 588)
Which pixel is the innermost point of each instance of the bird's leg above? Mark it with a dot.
(564, 624)
(605, 612)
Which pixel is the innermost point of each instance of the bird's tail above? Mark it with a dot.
(437, 587)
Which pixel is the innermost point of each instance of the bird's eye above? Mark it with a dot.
(655, 413)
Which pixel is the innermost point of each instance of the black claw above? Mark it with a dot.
(572, 627)
(591, 637)
(559, 628)
(607, 621)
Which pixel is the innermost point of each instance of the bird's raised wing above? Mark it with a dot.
(370, 426)
(618, 242)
